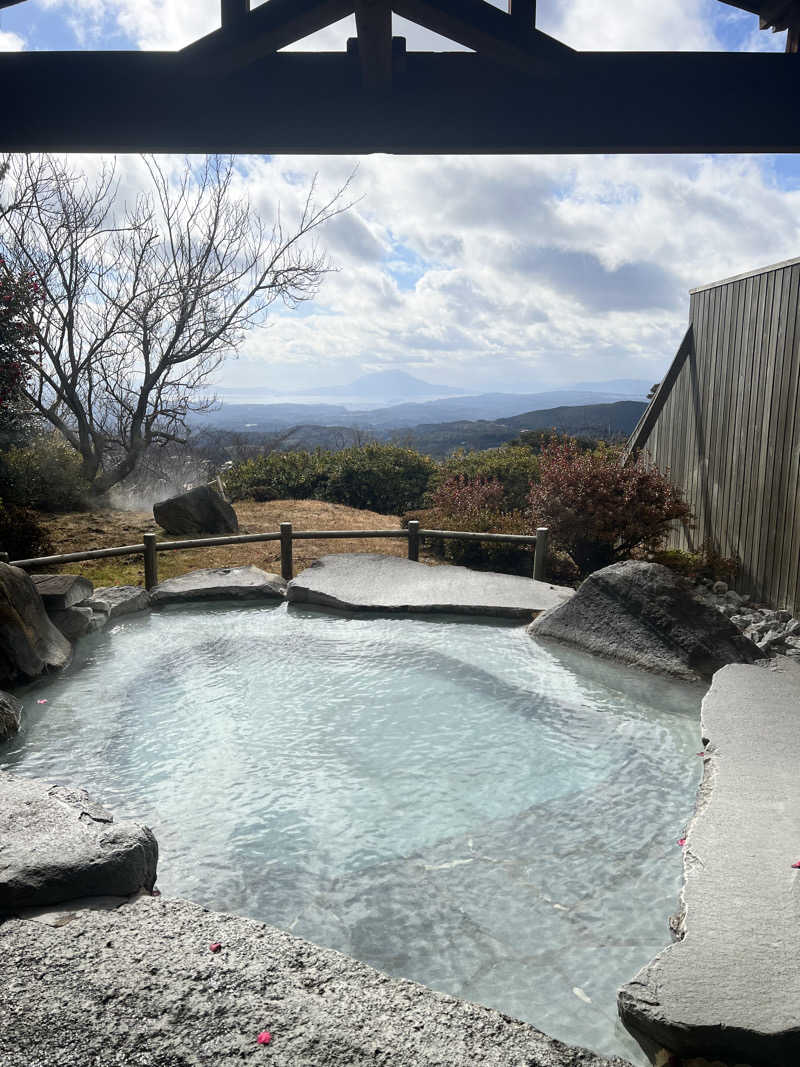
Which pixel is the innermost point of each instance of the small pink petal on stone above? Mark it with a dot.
(264, 1037)
(681, 841)
(702, 753)
(41, 701)
(215, 946)
(796, 866)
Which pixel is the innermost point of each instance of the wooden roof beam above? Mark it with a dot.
(249, 36)
(374, 27)
(489, 31)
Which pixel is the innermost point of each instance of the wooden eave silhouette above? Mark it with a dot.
(516, 90)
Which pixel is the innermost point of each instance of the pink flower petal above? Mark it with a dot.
(41, 701)
(681, 841)
(702, 753)
(264, 1037)
(796, 866)
(215, 946)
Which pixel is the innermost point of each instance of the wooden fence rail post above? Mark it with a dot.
(540, 554)
(287, 569)
(150, 561)
(413, 540)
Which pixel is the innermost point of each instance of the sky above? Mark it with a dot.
(488, 273)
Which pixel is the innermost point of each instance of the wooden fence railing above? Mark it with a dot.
(286, 535)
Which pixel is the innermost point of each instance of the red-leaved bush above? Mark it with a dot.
(598, 510)
(469, 499)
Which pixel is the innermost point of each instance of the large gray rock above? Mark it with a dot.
(56, 844)
(61, 591)
(364, 582)
(138, 987)
(201, 510)
(220, 583)
(646, 615)
(73, 622)
(729, 990)
(29, 642)
(10, 718)
(116, 600)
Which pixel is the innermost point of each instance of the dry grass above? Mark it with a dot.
(81, 531)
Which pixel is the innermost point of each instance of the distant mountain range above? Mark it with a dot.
(267, 418)
(604, 421)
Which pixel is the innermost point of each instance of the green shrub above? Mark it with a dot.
(374, 477)
(21, 535)
(513, 466)
(44, 474)
(278, 476)
(383, 478)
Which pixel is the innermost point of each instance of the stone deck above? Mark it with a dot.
(365, 582)
(730, 989)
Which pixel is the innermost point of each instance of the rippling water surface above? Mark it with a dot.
(447, 800)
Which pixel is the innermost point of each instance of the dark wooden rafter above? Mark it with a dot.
(265, 30)
(488, 30)
(777, 15)
(246, 37)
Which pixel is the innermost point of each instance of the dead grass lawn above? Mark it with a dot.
(81, 531)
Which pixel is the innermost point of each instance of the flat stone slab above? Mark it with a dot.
(138, 986)
(730, 989)
(220, 583)
(60, 591)
(115, 600)
(647, 616)
(366, 582)
(57, 844)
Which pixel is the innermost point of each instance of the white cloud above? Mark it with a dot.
(11, 42)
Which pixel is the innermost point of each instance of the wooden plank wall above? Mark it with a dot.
(729, 431)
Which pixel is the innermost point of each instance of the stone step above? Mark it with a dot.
(60, 591)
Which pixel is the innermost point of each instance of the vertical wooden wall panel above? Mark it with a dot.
(729, 430)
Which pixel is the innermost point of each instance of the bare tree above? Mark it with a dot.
(142, 301)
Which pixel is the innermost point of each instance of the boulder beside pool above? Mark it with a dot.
(646, 615)
(57, 844)
(10, 717)
(29, 642)
(371, 582)
(201, 510)
(220, 583)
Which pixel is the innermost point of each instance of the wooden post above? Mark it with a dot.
(150, 562)
(540, 554)
(413, 540)
(287, 570)
(233, 13)
(374, 28)
(524, 10)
